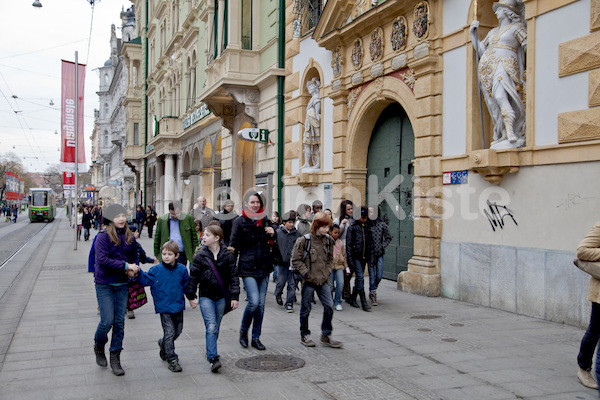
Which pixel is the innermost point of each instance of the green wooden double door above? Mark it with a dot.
(389, 160)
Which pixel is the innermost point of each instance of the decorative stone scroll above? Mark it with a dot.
(376, 47)
(357, 53)
(421, 21)
(399, 32)
(336, 62)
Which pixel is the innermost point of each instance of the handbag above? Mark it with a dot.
(589, 267)
(137, 296)
(225, 292)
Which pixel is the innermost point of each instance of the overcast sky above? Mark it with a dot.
(33, 43)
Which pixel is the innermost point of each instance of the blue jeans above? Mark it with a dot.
(139, 226)
(112, 302)
(590, 341)
(86, 233)
(256, 289)
(375, 273)
(324, 293)
(359, 281)
(172, 324)
(212, 312)
(336, 283)
(284, 275)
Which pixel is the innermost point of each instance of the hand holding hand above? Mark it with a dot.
(234, 304)
(194, 303)
(269, 230)
(347, 271)
(155, 260)
(130, 273)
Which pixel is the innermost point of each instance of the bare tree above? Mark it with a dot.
(9, 162)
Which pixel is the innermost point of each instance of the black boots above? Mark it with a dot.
(363, 301)
(115, 363)
(244, 339)
(100, 356)
(352, 299)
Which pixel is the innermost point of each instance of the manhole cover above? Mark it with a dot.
(426, 316)
(270, 362)
(457, 325)
(449, 340)
(424, 330)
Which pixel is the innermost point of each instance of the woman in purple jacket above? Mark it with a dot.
(116, 261)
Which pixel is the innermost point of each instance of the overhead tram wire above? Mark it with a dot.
(41, 50)
(19, 119)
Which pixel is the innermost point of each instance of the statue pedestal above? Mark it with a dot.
(306, 179)
(493, 164)
(422, 277)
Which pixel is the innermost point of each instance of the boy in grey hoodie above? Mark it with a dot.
(286, 238)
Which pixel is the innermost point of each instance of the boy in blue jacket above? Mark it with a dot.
(168, 280)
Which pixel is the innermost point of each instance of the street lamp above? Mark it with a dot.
(37, 4)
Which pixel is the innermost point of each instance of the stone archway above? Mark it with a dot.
(423, 274)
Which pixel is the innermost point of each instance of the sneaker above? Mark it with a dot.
(215, 364)
(130, 314)
(174, 366)
(328, 341)
(307, 341)
(279, 300)
(338, 307)
(289, 308)
(161, 352)
(373, 297)
(587, 379)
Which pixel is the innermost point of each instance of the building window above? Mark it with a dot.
(215, 33)
(105, 110)
(247, 24)
(307, 15)
(105, 139)
(136, 134)
(225, 26)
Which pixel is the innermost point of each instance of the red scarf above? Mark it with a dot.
(257, 218)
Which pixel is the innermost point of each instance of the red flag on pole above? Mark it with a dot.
(67, 158)
(68, 180)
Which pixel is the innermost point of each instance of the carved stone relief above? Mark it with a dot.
(399, 31)
(357, 53)
(376, 47)
(336, 62)
(421, 21)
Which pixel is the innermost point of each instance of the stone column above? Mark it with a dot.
(169, 181)
(159, 185)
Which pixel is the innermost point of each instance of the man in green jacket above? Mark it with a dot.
(178, 227)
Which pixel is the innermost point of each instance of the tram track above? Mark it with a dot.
(13, 241)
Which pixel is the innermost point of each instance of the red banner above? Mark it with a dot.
(67, 158)
(68, 181)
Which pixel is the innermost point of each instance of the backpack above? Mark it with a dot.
(306, 250)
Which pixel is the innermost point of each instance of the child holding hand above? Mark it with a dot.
(214, 276)
(168, 280)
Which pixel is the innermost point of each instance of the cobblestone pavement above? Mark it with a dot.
(408, 347)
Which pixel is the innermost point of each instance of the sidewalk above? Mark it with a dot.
(409, 347)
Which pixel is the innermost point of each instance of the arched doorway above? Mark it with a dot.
(389, 159)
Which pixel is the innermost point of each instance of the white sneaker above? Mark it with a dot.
(587, 379)
(338, 307)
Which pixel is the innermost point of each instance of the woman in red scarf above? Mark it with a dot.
(250, 237)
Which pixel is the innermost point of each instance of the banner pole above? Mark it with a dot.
(76, 224)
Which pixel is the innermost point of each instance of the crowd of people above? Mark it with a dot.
(10, 212)
(304, 249)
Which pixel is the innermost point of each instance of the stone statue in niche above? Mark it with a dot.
(501, 72)
(312, 128)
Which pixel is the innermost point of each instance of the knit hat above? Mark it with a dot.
(111, 212)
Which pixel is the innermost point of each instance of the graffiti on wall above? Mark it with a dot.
(498, 215)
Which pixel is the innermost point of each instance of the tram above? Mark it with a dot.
(42, 204)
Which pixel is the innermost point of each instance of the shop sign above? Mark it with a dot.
(254, 135)
(195, 116)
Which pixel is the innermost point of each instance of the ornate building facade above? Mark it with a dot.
(114, 178)
(402, 128)
(211, 71)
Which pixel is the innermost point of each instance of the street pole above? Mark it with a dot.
(76, 144)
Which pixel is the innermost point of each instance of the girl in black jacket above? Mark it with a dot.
(213, 291)
(252, 237)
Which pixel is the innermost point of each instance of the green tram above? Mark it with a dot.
(42, 204)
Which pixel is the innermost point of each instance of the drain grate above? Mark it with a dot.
(449, 340)
(426, 316)
(270, 363)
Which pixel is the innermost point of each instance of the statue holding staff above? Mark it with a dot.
(312, 128)
(501, 72)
